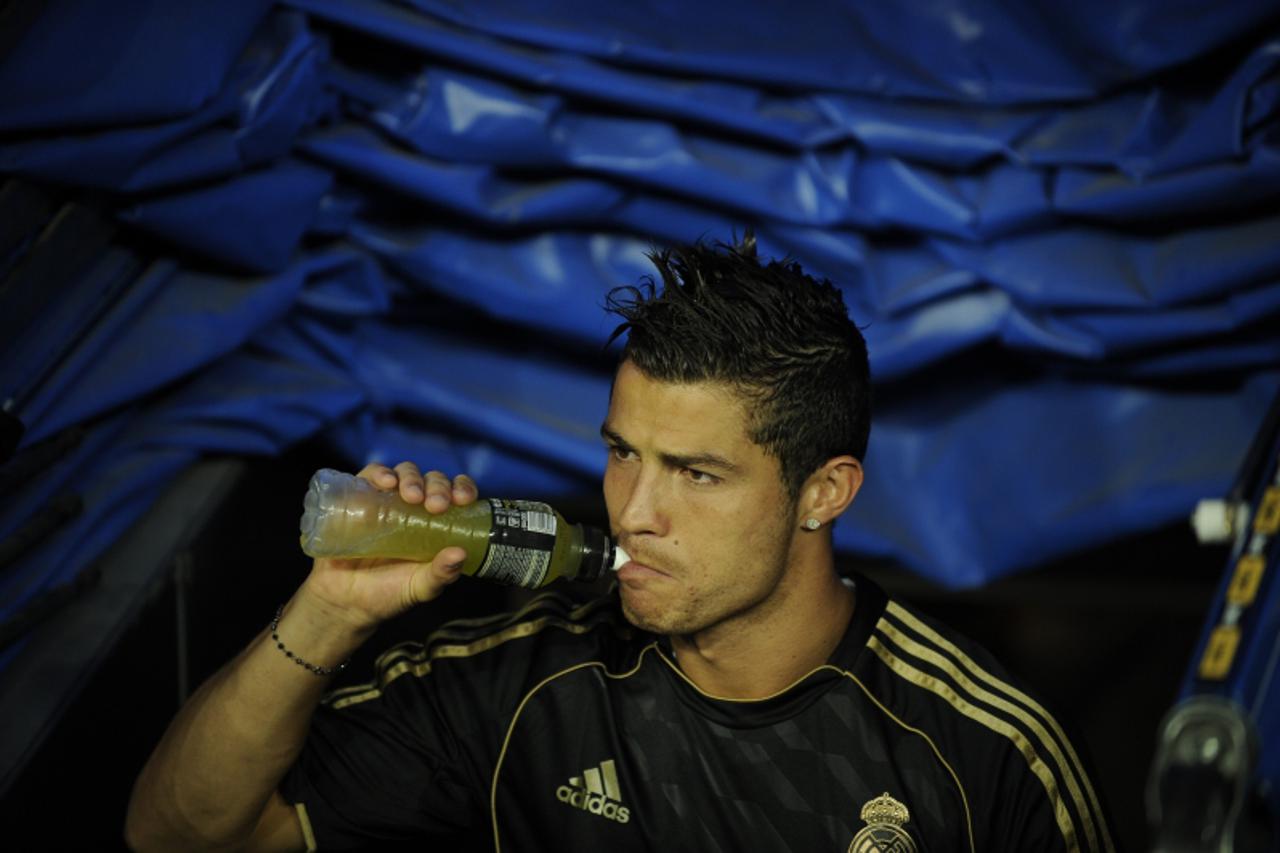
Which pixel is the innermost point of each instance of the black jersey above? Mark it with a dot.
(562, 728)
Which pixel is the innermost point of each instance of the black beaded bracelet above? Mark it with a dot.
(323, 671)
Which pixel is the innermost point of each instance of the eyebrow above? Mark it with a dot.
(675, 460)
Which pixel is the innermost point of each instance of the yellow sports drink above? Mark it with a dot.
(520, 543)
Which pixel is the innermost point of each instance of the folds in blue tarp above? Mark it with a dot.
(84, 65)
(391, 226)
(977, 51)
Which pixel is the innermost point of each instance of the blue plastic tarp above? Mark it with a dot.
(391, 227)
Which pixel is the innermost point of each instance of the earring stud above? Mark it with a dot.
(812, 524)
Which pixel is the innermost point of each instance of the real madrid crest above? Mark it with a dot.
(885, 832)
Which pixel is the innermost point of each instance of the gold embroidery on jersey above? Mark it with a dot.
(964, 799)
(885, 831)
(506, 741)
(1069, 765)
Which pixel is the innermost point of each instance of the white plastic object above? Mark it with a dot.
(1214, 521)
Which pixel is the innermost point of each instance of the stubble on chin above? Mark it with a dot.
(665, 623)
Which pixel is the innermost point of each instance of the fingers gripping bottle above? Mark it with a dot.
(520, 543)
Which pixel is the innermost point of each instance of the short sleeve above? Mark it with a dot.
(386, 765)
(411, 755)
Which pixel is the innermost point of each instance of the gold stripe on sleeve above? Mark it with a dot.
(417, 659)
(304, 821)
(1023, 744)
(1070, 765)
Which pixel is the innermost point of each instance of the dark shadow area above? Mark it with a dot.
(1104, 638)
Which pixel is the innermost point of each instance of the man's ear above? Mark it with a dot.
(829, 491)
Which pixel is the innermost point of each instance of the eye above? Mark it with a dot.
(701, 478)
(622, 454)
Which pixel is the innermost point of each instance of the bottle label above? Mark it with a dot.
(520, 543)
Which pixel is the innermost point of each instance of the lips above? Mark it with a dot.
(634, 571)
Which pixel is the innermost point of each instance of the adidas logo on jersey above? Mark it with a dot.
(596, 791)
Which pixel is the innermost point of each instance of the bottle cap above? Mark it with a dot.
(599, 552)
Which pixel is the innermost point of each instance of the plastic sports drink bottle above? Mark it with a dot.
(521, 543)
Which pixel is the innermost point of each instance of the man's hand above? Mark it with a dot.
(212, 781)
(365, 592)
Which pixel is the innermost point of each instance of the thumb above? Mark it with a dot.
(442, 571)
(447, 565)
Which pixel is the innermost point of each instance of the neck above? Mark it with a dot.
(762, 653)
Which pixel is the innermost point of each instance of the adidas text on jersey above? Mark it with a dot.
(599, 795)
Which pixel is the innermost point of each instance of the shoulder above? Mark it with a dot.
(505, 652)
(909, 643)
(1010, 755)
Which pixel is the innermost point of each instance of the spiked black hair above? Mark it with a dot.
(779, 338)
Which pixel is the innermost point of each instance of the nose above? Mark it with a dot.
(640, 493)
